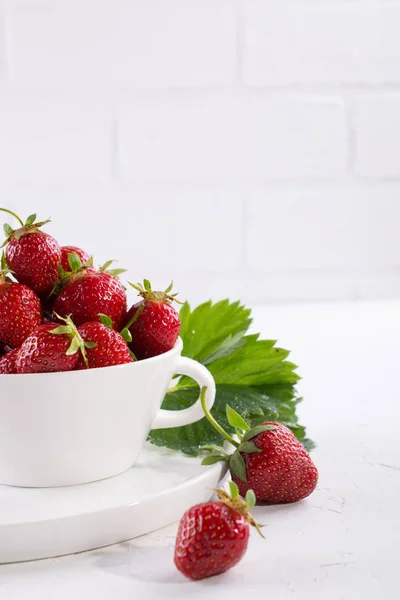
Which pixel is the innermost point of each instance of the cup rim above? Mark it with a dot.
(177, 349)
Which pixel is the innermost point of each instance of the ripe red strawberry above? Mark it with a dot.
(67, 250)
(51, 348)
(20, 311)
(282, 472)
(88, 293)
(153, 323)
(268, 459)
(7, 363)
(109, 347)
(212, 537)
(32, 255)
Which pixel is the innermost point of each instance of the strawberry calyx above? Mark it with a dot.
(77, 342)
(114, 272)
(240, 505)
(4, 270)
(148, 294)
(77, 269)
(30, 226)
(243, 444)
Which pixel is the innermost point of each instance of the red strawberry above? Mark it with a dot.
(67, 250)
(51, 348)
(32, 255)
(109, 347)
(282, 472)
(7, 363)
(20, 311)
(212, 537)
(88, 293)
(153, 323)
(268, 459)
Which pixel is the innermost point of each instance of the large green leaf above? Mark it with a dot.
(252, 376)
(213, 330)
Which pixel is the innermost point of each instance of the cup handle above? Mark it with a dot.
(166, 419)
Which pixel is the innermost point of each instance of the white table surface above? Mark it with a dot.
(343, 542)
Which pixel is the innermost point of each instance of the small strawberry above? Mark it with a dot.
(20, 310)
(153, 323)
(32, 255)
(67, 250)
(268, 459)
(212, 537)
(86, 293)
(7, 363)
(108, 347)
(50, 349)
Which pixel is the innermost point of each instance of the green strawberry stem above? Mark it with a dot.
(213, 422)
(10, 212)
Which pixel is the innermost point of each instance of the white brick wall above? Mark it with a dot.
(248, 148)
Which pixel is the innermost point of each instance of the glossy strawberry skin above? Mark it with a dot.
(156, 329)
(66, 250)
(44, 352)
(90, 293)
(7, 363)
(34, 259)
(283, 472)
(111, 348)
(211, 539)
(20, 313)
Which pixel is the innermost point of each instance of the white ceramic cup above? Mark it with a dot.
(59, 429)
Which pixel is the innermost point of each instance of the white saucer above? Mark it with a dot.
(42, 523)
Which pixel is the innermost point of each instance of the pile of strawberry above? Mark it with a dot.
(59, 313)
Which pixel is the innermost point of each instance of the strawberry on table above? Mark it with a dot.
(86, 293)
(108, 347)
(153, 323)
(20, 310)
(268, 459)
(282, 471)
(32, 254)
(51, 348)
(67, 250)
(213, 537)
(7, 363)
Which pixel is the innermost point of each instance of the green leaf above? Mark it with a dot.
(250, 499)
(146, 285)
(237, 466)
(115, 272)
(213, 330)
(126, 334)
(252, 433)
(74, 346)
(249, 448)
(252, 377)
(234, 490)
(74, 262)
(90, 344)
(8, 230)
(30, 220)
(235, 420)
(106, 265)
(211, 459)
(105, 320)
(61, 330)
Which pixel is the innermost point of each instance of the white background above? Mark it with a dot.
(244, 148)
